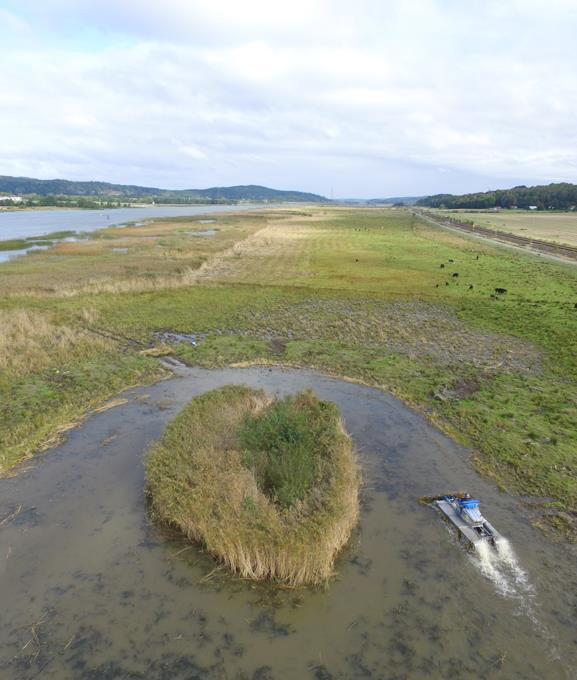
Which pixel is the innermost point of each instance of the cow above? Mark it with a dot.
(500, 291)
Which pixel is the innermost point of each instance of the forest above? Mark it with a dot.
(561, 196)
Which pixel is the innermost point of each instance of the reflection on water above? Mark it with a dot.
(91, 588)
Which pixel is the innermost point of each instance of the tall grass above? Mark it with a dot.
(283, 446)
(224, 474)
(52, 372)
(32, 340)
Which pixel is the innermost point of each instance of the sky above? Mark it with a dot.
(370, 98)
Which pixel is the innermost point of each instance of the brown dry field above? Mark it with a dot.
(547, 226)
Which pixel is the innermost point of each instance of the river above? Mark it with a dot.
(90, 587)
(27, 223)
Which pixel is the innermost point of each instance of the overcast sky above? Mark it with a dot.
(366, 98)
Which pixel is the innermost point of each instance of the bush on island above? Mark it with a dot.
(269, 487)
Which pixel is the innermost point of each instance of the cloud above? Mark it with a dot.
(192, 151)
(310, 94)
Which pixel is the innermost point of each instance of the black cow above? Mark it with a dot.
(500, 291)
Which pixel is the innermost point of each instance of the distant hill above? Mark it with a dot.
(23, 186)
(407, 200)
(561, 196)
(254, 192)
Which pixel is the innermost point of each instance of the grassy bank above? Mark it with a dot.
(362, 293)
(270, 488)
(51, 373)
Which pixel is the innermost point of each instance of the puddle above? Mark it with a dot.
(204, 232)
(174, 337)
(90, 588)
(119, 250)
(206, 221)
(38, 243)
(6, 255)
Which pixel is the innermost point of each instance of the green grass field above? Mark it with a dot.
(353, 292)
(557, 227)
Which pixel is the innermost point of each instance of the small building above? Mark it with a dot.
(532, 207)
(12, 199)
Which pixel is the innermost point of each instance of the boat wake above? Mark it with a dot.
(500, 565)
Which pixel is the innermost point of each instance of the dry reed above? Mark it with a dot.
(197, 481)
(32, 340)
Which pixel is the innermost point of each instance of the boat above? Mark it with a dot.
(464, 512)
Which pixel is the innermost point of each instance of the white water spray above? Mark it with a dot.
(500, 565)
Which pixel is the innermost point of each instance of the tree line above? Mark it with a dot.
(561, 196)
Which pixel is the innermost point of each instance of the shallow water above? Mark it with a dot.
(90, 588)
(6, 255)
(201, 232)
(26, 223)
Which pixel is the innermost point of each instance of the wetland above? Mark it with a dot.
(462, 389)
(92, 588)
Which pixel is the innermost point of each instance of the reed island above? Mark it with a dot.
(268, 486)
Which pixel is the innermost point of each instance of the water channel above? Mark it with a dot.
(91, 588)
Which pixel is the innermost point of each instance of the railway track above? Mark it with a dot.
(531, 244)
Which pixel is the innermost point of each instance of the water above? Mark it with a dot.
(201, 232)
(40, 222)
(6, 255)
(502, 567)
(91, 588)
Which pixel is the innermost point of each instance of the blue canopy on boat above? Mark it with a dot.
(469, 503)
